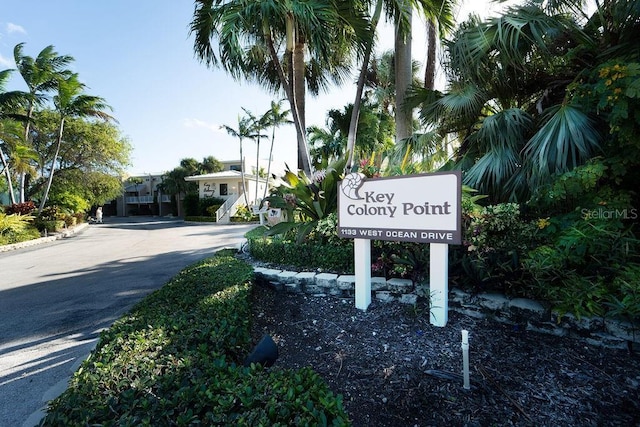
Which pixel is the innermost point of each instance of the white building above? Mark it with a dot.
(143, 197)
(228, 186)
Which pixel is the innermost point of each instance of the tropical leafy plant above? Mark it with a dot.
(624, 303)
(14, 222)
(306, 200)
(579, 269)
(15, 228)
(25, 208)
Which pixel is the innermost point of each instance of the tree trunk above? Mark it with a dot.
(255, 201)
(355, 113)
(288, 85)
(299, 95)
(403, 70)
(430, 69)
(273, 137)
(53, 167)
(244, 184)
(7, 173)
(27, 128)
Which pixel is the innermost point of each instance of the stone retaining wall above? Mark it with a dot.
(520, 312)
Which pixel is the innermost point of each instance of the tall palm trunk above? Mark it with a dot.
(299, 88)
(304, 160)
(430, 69)
(255, 201)
(27, 128)
(355, 113)
(299, 93)
(404, 116)
(244, 184)
(53, 167)
(7, 173)
(273, 137)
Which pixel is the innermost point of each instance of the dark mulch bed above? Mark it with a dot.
(393, 368)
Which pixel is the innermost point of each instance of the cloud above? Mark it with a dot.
(15, 28)
(4, 62)
(196, 123)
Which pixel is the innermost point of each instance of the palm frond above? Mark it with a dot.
(566, 140)
(501, 138)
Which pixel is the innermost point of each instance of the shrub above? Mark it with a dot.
(29, 233)
(306, 200)
(584, 265)
(80, 217)
(50, 226)
(495, 240)
(51, 213)
(70, 202)
(15, 228)
(307, 255)
(13, 222)
(244, 214)
(211, 210)
(25, 208)
(624, 304)
(70, 220)
(200, 218)
(209, 205)
(175, 360)
(191, 204)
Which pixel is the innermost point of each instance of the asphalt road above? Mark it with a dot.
(55, 298)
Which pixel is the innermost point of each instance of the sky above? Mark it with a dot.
(138, 56)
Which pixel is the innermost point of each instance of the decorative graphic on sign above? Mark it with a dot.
(351, 184)
(422, 208)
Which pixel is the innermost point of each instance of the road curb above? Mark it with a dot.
(57, 236)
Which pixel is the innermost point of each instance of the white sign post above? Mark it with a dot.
(422, 208)
(439, 283)
(362, 265)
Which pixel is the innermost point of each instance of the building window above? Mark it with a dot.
(234, 168)
(223, 190)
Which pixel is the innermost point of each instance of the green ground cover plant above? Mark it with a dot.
(16, 228)
(176, 359)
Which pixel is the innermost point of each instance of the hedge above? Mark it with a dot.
(175, 359)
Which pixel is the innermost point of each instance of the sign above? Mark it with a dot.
(274, 216)
(422, 208)
(274, 213)
(208, 189)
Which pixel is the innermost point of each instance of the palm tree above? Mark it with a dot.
(69, 101)
(327, 145)
(243, 131)
(401, 11)
(439, 21)
(10, 140)
(403, 61)
(257, 126)
(210, 165)
(380, 81)
(9, 106)
(40, 75)
(288, 45)
(516, 97)
(22, 157)
(274, 117)
(191, 165)
(173, 183)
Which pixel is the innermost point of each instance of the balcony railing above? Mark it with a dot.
(145, 199)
